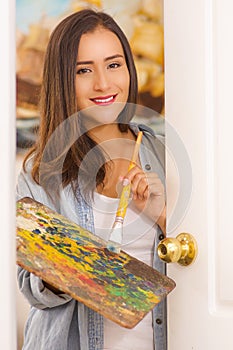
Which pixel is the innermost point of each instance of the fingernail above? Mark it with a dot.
(125, 182)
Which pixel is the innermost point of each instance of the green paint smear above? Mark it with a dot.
(135, 299)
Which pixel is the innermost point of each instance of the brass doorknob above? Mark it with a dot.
(182, 249)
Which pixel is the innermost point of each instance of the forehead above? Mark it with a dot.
(99, 44)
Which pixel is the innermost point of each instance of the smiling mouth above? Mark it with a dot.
(105, 100)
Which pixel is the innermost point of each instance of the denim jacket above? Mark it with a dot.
(58, 322)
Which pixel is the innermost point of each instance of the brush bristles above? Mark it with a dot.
(114, 247)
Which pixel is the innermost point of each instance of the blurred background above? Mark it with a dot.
(142, 22)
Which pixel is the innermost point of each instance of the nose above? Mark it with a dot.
(102, 81)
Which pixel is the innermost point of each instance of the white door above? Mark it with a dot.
(199, 96)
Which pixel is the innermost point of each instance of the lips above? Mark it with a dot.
(104, 100)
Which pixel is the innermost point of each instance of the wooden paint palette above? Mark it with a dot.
(77, 262)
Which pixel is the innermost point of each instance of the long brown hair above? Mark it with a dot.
(58, 103)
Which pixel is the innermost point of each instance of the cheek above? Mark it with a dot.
(127, 83)
(77, 89)
(124, 82)
(81, 89)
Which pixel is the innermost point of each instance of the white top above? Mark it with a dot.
(138, 241)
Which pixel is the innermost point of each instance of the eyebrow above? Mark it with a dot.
(106, 59)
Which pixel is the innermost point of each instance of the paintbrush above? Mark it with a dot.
(116, 234)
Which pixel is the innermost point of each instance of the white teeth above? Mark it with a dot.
(104, 100)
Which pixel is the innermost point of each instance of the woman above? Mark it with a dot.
(76, 168)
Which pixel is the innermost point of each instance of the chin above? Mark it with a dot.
(101, 115)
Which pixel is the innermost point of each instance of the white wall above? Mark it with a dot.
(7, 159)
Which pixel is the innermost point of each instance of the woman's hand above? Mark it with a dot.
(148, 194)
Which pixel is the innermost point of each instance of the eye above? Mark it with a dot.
(83, 71)
(114, 65)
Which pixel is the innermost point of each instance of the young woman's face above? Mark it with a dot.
(102, 79)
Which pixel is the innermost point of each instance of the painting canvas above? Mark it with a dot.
(78, 263)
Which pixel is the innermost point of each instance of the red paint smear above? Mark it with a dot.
(90, 282)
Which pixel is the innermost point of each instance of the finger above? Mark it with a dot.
(128, 178)
(132, 172)
(139, 184)
(147, 186)
(155, 186)
(142, 188)
(142, 180)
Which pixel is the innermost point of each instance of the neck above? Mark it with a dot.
(113, 142)
(107, 132)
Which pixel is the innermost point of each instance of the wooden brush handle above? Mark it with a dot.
(125, 194)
